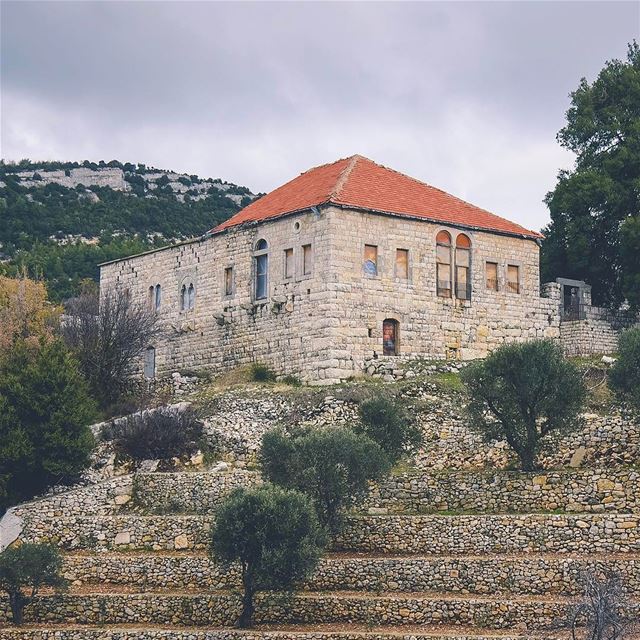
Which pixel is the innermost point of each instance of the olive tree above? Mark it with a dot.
(273, 534)
(390, 425)
(24, 570)
(332, 466)
(522, 393)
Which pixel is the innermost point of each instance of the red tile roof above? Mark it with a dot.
(360, 183)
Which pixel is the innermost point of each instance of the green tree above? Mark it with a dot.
(45, 411)
(24, 570)
(624, 375)
(331, 465)
(591, 202)
(387, 423)
(273, 534)
(522, 393)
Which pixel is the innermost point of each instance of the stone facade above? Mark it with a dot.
(324, 321)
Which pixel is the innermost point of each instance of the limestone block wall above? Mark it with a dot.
(286, 331)
(430, 326)
(324, 325)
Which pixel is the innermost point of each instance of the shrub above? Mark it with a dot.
(522, 393)
(331, 465)
(108, 334)
(292, 381)
(388, 424)
(29, 567)
(45, 410)
(273, 534)
(261, 373)
(599, 611)
(624, 375)
(159, 434)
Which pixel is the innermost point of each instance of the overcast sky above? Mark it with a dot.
(465, 96)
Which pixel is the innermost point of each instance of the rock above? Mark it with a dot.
(122, 537)
(181, 542)
(197, 459)
(578, 457)
(122, 499)
(608, 360)
(219, 467)
(149, 466)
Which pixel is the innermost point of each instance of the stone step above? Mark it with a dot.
(108, 607)
(489, 574)
(317, 632)
(429, 534)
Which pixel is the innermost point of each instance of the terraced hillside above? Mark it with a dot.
(459, 553)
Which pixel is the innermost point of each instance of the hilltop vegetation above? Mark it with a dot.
(60, 220)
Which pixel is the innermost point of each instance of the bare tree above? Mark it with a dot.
(108, 332)
(599, 615)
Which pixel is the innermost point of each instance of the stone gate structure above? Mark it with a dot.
(349, 262)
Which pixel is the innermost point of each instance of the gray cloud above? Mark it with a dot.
(466, 96)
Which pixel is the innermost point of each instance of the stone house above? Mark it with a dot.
(346, 264)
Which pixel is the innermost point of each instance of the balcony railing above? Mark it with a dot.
(574, 311)
(444, 289)
(513, 287)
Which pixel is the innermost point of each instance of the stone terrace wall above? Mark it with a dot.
(430, 534)
(589, 490)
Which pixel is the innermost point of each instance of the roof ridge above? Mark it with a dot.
(343, 177)
(446, 193)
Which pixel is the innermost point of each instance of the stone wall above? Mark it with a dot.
(579, 491)
(596, 333)
(324, 326)
(428, 534)
(524, 575)
(88, 633)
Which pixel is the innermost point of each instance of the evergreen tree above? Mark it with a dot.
(593, 234)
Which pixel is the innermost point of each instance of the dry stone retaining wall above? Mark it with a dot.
(215, 609)
(590, 490)
(540, 574)
(430, 534)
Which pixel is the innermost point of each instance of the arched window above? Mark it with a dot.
(152, 296)
(191, 296)
(443, 264)
(463, 267)
(390, 335)
(261, 266)
(158, 297)
(183, 298)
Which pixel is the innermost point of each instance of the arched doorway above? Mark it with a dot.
(390, 336)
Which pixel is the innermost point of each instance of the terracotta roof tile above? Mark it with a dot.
(359, 183)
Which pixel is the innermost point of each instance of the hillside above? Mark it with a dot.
(453, 545)
(59, 220)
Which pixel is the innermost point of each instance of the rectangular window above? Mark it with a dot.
(306, 259)
(463, 264)
(228, 281)
(513, 278)
(491, 274)
(370, 260)
(402, 264)
(289, 267)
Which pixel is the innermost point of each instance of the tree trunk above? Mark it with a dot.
(527, 459)
(17, 602)
(246, 617)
